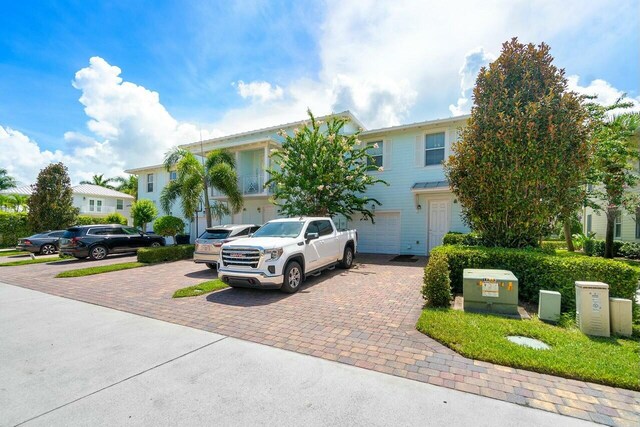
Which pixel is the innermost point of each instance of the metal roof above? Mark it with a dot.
(25, 190)
(430, 185)
(96, 190)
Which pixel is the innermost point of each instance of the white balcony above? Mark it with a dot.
(97, 210)
(248, 185)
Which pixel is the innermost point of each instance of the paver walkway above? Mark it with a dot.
(364, 317)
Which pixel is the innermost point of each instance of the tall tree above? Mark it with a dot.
(614, 165)
(127, 185)
(524, 154)
(194, 177)
(143, 212)
(323, 173)
(6, 181)
(100, 180)
(51, 200)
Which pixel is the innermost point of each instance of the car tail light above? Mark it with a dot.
(75, 240)
(218, 244)
(27, 242)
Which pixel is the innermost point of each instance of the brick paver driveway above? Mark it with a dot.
(364, 317)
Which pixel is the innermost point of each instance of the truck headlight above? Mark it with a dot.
(273, 254)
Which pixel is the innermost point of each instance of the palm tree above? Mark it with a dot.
(6, 181)
(195, 177)
(17, 202)
(100, 181)
(127, 185)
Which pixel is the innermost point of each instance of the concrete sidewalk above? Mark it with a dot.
(65, 362)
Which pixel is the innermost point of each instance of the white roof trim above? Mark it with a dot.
(416, 125)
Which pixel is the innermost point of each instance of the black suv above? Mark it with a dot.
(97, 241)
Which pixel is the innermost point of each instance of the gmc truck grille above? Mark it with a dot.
(248, 257)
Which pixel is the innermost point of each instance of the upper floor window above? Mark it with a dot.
(589, 222)
(173, 175)
(149, 183)
(617, 226)
(375, 151)
(119, 204)
(434, 149)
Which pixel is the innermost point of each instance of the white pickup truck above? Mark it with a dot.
(283, 252)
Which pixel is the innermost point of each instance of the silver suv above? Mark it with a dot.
(209, 243)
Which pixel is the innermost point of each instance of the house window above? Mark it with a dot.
(638, 223)
(375, 151)
(119, 204)
(173, 175)
(149, 183)
(95, 205)
(434, 148)
(617, 226)
(589, 219)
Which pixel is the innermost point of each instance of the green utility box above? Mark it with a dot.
(493, 291)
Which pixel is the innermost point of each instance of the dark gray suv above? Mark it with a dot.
(98, 241)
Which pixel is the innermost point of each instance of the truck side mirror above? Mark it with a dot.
(311, 236)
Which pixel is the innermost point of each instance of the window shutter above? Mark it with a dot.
(419, 154)
(386, 155)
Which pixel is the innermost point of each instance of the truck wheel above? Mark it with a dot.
(212, 265)
(347, 258)
(292, 278)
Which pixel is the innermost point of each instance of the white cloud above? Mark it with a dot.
(259, 91)
(603, 91)
(473, 62)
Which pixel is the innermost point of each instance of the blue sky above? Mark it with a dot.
(224, 67)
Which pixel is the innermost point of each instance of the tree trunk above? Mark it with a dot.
(207, 208)
(567, 234)
(608, 243)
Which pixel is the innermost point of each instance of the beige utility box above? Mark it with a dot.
(549, 306)
(592, 308)
(621, 313)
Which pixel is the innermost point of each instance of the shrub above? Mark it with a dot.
(588, 247)
(168, 226)
(13, 225)
(630, 250)
(116, 218)
(536, 270)
(468, 239)
(142, 212)
(165, 253)
(598, 247)
(437, 284)
(552, 245)
(89, 220)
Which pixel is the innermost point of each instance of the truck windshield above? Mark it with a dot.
(280, 229)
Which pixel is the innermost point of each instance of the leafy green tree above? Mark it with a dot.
(115, 218)
(195, 177)
(143, 211)
(323, 173)
(17, 202)
(100, 180)
(127, 185)
(169, 226)
(613, 168)
(6, 181)
(51, 200)
(523, 157)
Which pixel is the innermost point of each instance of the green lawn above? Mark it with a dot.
(12, 253)
(31, 261)
(200, 289)
(611, 361)
(100, 269)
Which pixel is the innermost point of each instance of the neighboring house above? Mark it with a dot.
(92, 200)
(417, 209)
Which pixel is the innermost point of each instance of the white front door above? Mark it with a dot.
(438, 222)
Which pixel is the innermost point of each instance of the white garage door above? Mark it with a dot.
(383, 237)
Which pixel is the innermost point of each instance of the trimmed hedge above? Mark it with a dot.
(598, 247)
(165, 253)
(436, 289)
(13, 226)
(553, 244)
(89, 220)
(630, 250)
(538, 270)
(456, 238)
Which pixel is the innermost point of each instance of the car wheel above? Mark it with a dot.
(347, 258)
(47, 249)
(212, 265)
(156, 245)
(98, 252)
(292, 278)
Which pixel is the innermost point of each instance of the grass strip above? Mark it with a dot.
(13, 253)
(31, 261)
(611, 361)
(200, 289)
(80, 272)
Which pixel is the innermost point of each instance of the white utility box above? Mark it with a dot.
(592, 308)
(621, 313)
(549, 306)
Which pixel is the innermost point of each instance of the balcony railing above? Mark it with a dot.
(248, 184)
(97, 210)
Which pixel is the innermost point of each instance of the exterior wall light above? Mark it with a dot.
(419, 206)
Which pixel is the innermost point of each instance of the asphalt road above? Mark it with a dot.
(65, 362)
